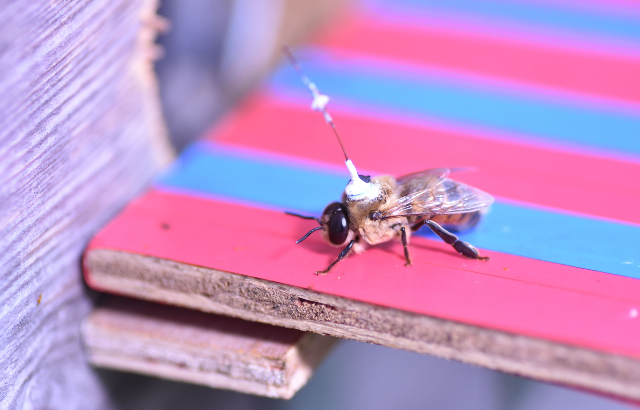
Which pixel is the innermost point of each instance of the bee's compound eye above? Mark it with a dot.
(337, 223)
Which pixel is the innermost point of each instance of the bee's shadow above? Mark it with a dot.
(395, 248)
(319, 246)
(316, 244)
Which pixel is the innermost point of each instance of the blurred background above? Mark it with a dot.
(216, 52)
(362, 376)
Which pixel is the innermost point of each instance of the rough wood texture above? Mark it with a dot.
(259, 300)
(216, 351)
(80, 134)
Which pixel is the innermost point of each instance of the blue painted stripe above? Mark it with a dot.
(433, 96)
(607, 22)
(278, 183)
(256, 179)
(583, 242)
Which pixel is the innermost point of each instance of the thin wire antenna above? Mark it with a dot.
(319, 100)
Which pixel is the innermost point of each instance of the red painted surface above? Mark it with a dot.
(587, 184)
(510, 293)
(497, 56)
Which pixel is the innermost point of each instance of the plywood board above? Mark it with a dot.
(195, 347)
(558, 301)
(284, 305)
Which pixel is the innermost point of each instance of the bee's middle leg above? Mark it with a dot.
(403, 236)
(463, 248)
(344, 253)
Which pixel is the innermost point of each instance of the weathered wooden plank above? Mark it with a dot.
(201, 348)
(80, 135)
(264, 301)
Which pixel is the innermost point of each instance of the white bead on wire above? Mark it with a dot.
(356, 188)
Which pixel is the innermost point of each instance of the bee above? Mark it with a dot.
(379, 209)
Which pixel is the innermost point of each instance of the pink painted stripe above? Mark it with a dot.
(586, 184)
(509, 293)
(580, 71)
(477, 24)
(614, 7)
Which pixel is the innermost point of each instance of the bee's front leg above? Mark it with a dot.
(344, 253)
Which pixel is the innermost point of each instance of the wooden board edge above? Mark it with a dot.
(116, 348)
(259, 300)
(305, 359)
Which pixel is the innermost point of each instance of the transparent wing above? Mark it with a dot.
(420, 181)
(445, 197)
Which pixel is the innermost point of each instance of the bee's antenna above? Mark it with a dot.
(306, 217)
(300, 216)
(356, 188)
(317, 228)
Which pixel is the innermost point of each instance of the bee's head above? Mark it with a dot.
(335, 224)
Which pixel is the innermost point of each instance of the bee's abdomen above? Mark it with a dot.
(458, 222)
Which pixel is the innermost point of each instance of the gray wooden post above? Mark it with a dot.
(80, 135)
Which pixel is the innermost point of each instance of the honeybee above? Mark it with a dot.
(379, 209)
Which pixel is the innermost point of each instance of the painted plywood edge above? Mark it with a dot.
(269, 302)
(274, 362)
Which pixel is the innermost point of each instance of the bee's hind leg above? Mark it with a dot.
(463, 248)
(344, 253)
(418, 225)
(403, 236)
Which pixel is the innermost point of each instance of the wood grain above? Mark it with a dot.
(269, 302)
(196, 347)
(80, 135)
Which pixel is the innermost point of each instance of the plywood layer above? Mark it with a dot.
(196, 347)
(264, 301)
